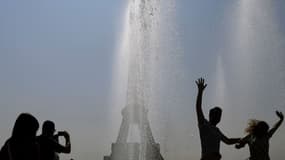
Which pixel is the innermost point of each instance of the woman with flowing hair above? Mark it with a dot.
(258, 138)
(22, 143)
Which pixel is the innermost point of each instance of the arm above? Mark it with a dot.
(64, 149)
(201, 86)
(229, 141)
(67, 143)
(242, 142)
(277, 125)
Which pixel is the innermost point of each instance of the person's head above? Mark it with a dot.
(261, 129)
(257, 128)
(26, 127)
(48, 128)
(215, 115)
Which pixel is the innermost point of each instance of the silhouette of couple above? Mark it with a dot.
(25, 145)
(210, 135)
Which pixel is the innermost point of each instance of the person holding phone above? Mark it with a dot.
(49, 143)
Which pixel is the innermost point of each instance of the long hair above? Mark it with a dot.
(257, 128)
(25, 127)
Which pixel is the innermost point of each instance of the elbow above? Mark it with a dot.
(67, 150)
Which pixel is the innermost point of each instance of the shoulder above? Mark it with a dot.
(218, 131)
(204, 125)
(41, 139)
(4, 152)
(203, 122)
(5, 145)
(46, 140)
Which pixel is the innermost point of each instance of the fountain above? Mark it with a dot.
(140, 43)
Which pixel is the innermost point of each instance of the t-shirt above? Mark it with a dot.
(210, 138)
(258, 147)
(49, 148)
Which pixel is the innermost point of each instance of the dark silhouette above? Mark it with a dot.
(22, 144)
(49, 144)
(258, 138)
(210, 135)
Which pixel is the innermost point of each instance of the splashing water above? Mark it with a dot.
(142, 41)
(135, 59)
(136, 64)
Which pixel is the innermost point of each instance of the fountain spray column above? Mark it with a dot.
(141, 39)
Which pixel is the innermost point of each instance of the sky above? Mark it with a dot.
(57, 61)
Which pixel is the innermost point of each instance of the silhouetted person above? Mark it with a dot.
(258, 138)
(48, 141)
(210, 135)
(22, 144)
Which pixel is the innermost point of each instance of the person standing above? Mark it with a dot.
(22, 144)
(258, 138)
(210, 134)
(49, 144)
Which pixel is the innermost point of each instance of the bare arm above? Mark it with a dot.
(201, 86)
(230, 141)
(242, 142)
(67, 143)
(67, 147)
(277, 125)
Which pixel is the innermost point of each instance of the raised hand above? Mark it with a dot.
(280, 115)
(201, 84)
(277, 125)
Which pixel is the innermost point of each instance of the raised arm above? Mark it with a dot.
(67, 142)
(277, 125)
(201, 86)
(67, 147)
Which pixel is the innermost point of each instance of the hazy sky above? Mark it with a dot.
(57, 60)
